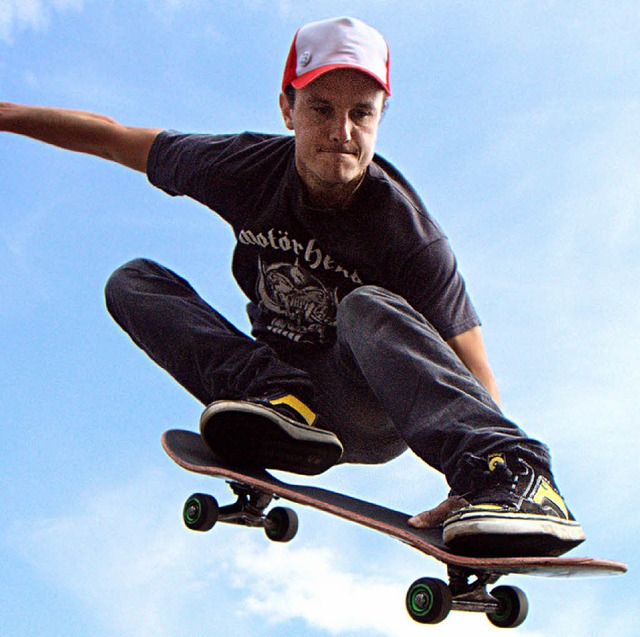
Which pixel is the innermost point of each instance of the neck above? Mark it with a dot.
(336, 197)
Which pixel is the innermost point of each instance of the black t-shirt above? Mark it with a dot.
(295, 262)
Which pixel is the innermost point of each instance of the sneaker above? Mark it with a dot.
(517, 511)
(272, 433)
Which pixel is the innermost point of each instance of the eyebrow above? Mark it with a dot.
(316, 99)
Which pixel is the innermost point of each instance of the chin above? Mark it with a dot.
(343, 176)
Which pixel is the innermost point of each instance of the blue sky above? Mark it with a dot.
(518, 124)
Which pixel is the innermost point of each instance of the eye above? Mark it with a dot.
(325, 111)
(361, 114)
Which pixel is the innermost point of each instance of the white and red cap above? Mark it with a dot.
(339, 43)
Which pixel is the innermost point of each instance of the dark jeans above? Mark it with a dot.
(388, 382)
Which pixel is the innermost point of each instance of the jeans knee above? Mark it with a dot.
(123, 278)
(359, 303)
(362, 298)
(372, 308)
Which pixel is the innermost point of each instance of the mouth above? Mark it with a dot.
(339, 151)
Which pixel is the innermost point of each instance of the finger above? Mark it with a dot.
(437, 516)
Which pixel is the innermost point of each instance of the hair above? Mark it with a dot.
(290, 94)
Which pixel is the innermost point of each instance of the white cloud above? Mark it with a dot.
(115, 558)
(313, 585)
(124, 556)
(18, 15)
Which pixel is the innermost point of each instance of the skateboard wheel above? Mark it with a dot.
(200, 512)
(428, 600)
(281, 524)
(513, 607)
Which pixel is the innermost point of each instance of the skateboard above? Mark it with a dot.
(428, 600)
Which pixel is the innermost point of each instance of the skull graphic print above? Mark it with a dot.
(301, 307)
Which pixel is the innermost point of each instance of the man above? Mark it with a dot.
(364, 340)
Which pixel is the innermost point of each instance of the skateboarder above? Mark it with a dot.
(364, 339)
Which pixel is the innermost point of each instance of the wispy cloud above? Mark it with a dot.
(18, 15)
(128, 566)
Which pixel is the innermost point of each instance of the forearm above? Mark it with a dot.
(486, 377)
(79, 131)
(469, 346)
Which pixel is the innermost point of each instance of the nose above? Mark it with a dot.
(341, 127)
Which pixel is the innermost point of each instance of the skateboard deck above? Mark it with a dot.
(428, 600)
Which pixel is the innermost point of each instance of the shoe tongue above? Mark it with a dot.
(495, 483)
(495, 461)
(498, 469)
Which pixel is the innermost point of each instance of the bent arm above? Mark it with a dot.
(80, 131)
(469, 346)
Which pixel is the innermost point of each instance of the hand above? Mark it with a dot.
(6, 110)
(436, 517)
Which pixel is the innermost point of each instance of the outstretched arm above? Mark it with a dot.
(80, 131)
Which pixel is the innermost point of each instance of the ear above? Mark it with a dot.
(287, 111)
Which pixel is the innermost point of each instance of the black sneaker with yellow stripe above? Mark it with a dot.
(515, 511)
(270, 433)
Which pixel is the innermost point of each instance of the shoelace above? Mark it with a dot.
(486, 482)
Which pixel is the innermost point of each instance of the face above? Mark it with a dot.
(335, 119)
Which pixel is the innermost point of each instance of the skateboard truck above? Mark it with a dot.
(429, 600)
(248, 510)
(201, 512)
(471, 595)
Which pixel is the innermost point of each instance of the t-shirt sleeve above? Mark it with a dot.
(419, 263)
(435, 287)
(230, 174)
(194, 166)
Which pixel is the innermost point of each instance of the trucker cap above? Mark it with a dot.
(338, 43)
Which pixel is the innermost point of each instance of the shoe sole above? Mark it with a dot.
(251, 435)
(510, 534)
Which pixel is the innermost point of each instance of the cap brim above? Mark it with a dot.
(307, 78)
